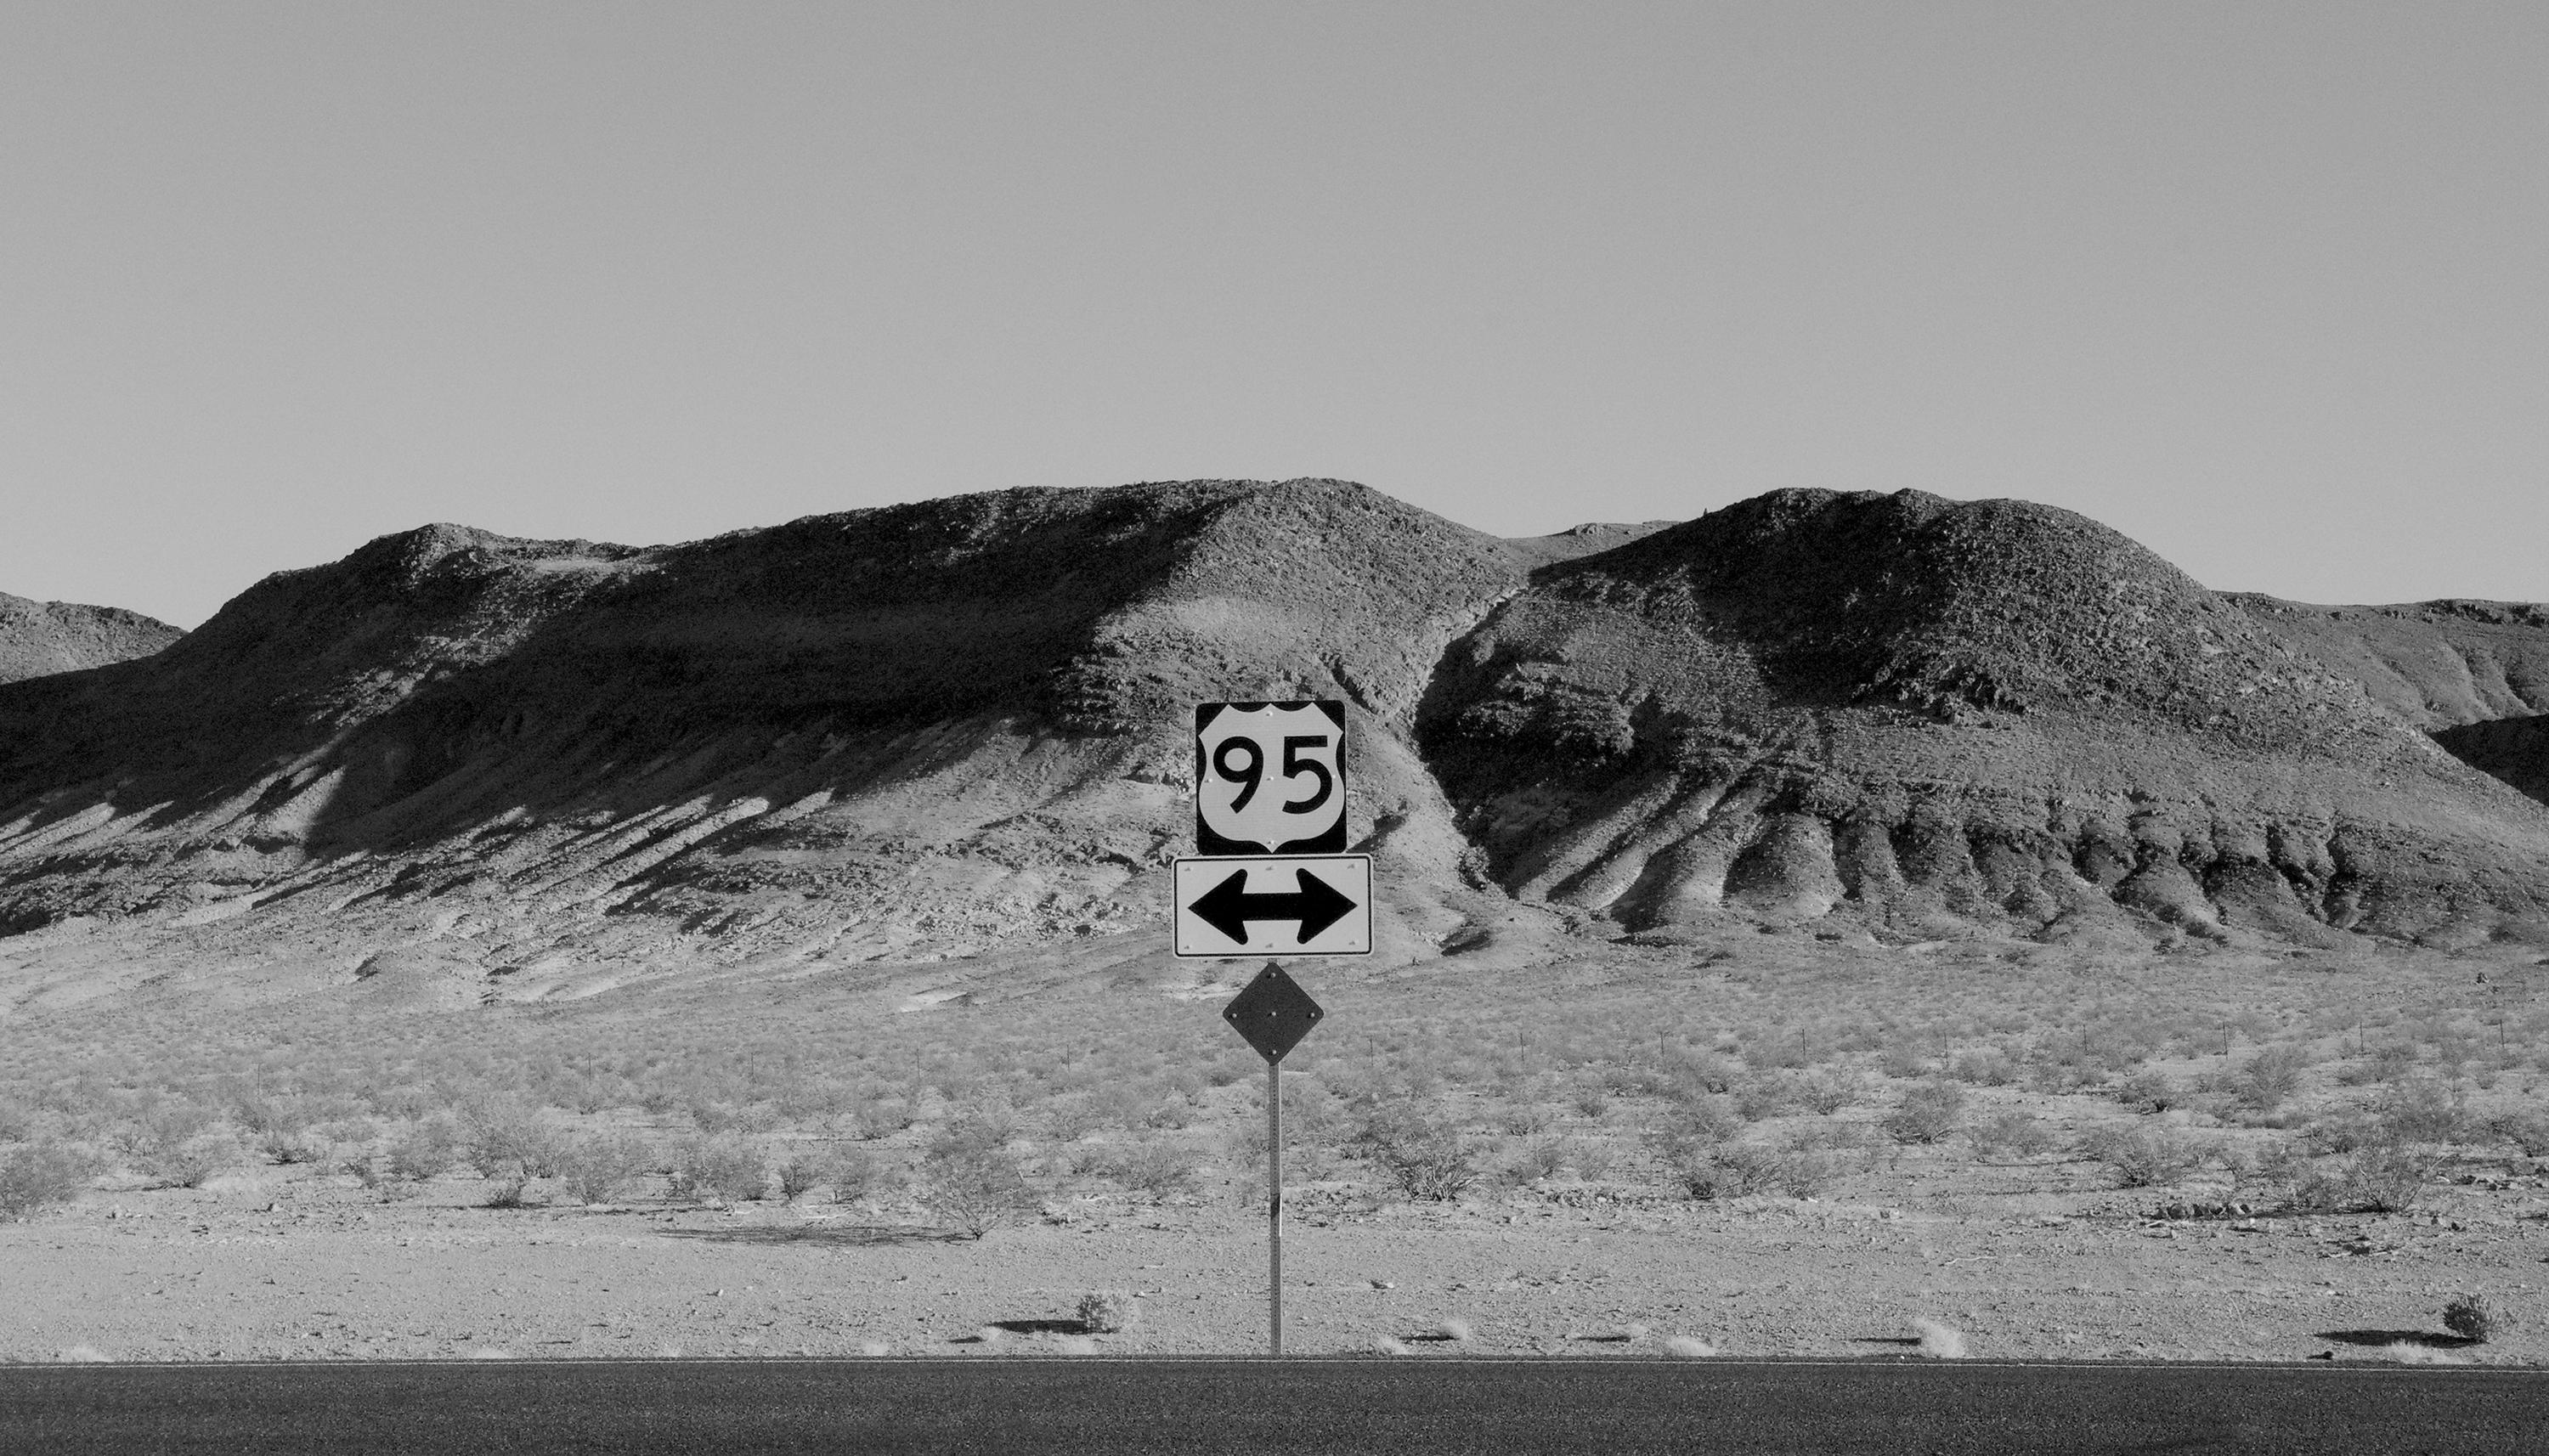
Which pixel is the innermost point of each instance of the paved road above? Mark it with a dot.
(1428, 1404)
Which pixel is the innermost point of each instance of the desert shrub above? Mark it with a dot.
(594, 1095)
(1109, 1311)
(2381, 1180)
(1155, 1170)
(1540, 1157)
(2346, 1132)
(2388, 1180)
(597, 1166)
(1824, 1094)
(1695, 1073)
(2058, 1078)
(427, 1149)
(2245, 1168)
(1988, 1067)
(259, 1113)
(2390, 1061)
(185, 1164)
(2453, 1050)
(1441, 1168)
(1592, 1099)
(1699, 1120)
(2527, 1130)
(407, 1102)
(2421, 1110)
(2282, 1161)
(17, 1121)
(1726, 1170)
(979, 1125)
(854, 1172)
(1772, 1096)
(1527, 1119)
(34, 1176)
(880, 1117)
(159, 1124)
(817, 1097)
(2145, 1157)
(710, 1168)
(1838, 1135)
(2269, 1079)
(974, 1187)
(2012, 1134)
(1627, 1079)
(2469, 1316)
(294, 1145)
(1738, 1169)
(178, 1121)
(363, 1164)
(1931, 1112)
(801, 1175)
(1591, 1157)
(1072, 1118)
(512, 1190)
(514, 1142)
(2146, 1091)
(713, 1116)
(1422, 1155)
(1806, 1172)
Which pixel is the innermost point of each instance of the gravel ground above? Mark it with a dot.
(290, 1263)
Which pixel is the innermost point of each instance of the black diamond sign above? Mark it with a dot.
(1274, 1013)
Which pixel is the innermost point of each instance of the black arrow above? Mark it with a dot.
(1228, 906)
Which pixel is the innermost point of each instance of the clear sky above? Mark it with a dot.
(2263, 284)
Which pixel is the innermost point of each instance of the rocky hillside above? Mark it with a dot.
(908, 732)
(1930, 715)
(2435, 663)
(39, 638)
(462, 765)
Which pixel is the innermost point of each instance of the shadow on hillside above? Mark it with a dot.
(826, 1234)
(2427, 1338)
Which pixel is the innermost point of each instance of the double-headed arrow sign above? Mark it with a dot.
(1228, 906)
(1307, 905)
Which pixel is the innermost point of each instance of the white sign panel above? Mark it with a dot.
(1275, 905)
(1270, 777)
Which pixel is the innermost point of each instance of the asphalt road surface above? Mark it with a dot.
(1423, 1405)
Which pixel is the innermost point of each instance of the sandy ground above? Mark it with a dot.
(292, 1263)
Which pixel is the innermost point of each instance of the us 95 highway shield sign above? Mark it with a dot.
(1270, 777)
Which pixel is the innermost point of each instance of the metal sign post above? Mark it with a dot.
(1275, 1208)
(1273, 1014)
(1271, 878)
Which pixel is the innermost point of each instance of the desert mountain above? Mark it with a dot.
(1932, 715)
(2437, 665)
(38, 638)
(907, 732)
(2474, 674)
(486, 766)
